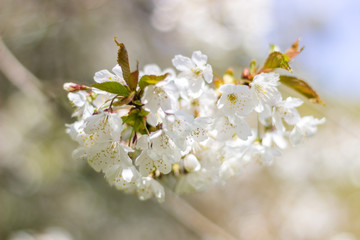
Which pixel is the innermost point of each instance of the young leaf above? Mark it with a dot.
(274, 48)
(293, 51)
(112, 87)
(253, 68)
(246, 74)
(218, 82)
(229, 76)
(136, 119)
(277, 60)
(301, 87)
(125, 100)
(151, 80)
(134, 78)
(123, 61)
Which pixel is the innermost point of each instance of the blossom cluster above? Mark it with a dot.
(183, 128)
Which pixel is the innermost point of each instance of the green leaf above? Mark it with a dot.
(301, 87)
(123, 61)
(112, 87)
(151, 80)
(136, 119)
(137, 102)
(277, 60)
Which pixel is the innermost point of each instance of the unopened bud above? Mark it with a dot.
(73, 87)
(191, 163)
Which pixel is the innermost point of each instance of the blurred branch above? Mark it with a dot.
(193, 219)
(18, 75)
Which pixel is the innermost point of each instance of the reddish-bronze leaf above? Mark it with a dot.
(294, 50)
(123, 61)
(301, 87)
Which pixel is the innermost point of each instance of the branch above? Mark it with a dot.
(192, 219)
(18, 75)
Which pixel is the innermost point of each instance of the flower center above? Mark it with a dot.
(196, 71)
(232, 98)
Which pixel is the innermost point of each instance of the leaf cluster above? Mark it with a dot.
(131, 93)
(278, 60)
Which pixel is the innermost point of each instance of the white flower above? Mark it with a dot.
(264, 88)
(122, 177)
(226, 127)
(261, 153)
(147, 164)
(305, 128)
(162, 146)
(102, 127)
(83, 107)
(99, 136)
(107, 154)
(106, 76)
(203, 106)
(75, 130)
(191, 163)
(235, 100)
(185, 130)
(286, 110)
(274, 137)
(148, 187)
(162, 96)
(158, 152)
(194, 71)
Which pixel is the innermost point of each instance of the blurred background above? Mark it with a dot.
(311, 192)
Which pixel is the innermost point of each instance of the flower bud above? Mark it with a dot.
(73, 87)
(191, 163)
(70, 87)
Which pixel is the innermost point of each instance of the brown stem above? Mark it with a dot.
(193, 219)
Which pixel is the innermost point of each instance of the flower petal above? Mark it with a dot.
(182, 63)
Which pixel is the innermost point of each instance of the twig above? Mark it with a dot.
(193, 219)
(18, 75)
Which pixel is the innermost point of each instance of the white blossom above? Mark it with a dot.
(235, 100)
(194, 71)
(306, 127)
(159, 98)
(276, 137)
(122, 177)
(203, 106)
(286, 110)
(148, 187)
(158, 152)
(185, 130)
(183, 126)
(261, 153)
(264, 89)
(191, 163)
(106, 76)
(226, 127)
(83, 107)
